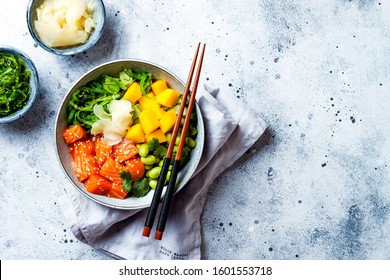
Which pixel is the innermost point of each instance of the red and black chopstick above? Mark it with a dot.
(176, 164)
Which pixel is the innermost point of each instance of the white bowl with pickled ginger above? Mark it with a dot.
(66, 27)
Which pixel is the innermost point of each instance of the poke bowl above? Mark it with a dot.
(152, 95)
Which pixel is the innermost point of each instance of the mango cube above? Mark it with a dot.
(159, 112)
(147, 102)
(133, 93)
(136, 133)
(148, 121)
(168, 121)
(157, 134)
(168, 98)
(159, 86)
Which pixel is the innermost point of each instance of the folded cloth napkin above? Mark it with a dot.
(231, 129)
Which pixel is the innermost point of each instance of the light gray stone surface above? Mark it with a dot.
(316, 186)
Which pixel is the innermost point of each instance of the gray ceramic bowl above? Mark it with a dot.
(99, 15)
(34, 82)
(113, 68)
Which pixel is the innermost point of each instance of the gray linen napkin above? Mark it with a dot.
(231, 129)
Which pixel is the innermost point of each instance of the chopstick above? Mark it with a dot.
(176, 165)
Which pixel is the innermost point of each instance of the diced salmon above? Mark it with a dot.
(136, 167)
(124, 150)
(110, 170)
(73, 133)
(98, 184)
(82, 147)
(116, 191)
(84, 166)
(102, 150)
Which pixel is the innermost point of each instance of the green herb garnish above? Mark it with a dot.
(14, 84)
(141, 187)
(192, 131)
(138, 188)
(127, 182)
(160, 152)
(153, 144)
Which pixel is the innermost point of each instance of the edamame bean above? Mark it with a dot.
(168, 176)
(154, 172)
(143, 150)
(177, 141)
(190, 142)
(148, 167)
(149, 160)
(160, 163)
(176, 108)
(169, 137)
(147, 173)
(153, 183)
(187, 148)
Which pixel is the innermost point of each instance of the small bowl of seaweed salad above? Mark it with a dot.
(18, 84)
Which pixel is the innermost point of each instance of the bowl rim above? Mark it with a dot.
(34, 83)
(57, 139)
(72, 50)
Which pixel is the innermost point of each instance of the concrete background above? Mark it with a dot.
(316, 186)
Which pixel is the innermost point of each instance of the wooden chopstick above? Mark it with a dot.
(176, 165)
(164, 170)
